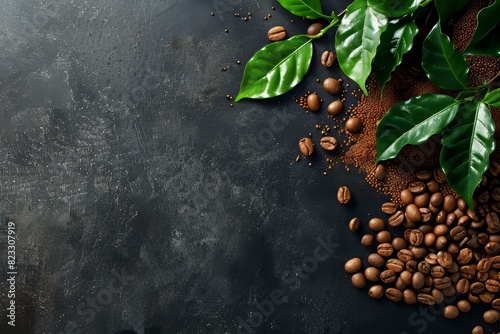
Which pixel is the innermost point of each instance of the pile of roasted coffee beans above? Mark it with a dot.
(446, 250)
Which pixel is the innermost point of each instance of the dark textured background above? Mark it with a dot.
(145, 204)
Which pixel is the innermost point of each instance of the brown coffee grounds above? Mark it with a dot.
(408, 80)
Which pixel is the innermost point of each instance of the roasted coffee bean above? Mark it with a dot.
(462, 204)
(431, 259)
(494, 168)
(276, 33)
(409, 296)
(472, 214)
(413, 213)
(467, 272)
(372, 274)
(367, 240)
(397, 219)
(493, 274)
(483, 197)
(417, 187)
(442, 282)
(478, 330)
(354, 224)
(432, 186)
(424, 175)
(483, 210)
(406, 197)
(473, 299)
(494, 238)
(486, 297)
(406, 277)
(493, 222)
(388, 276)
(358, 280)
(495, 262)
(491, 316)
(328, 58)
(332, 86)
(453, 268)
(455, 277)
(484, 265)
(458, 233)
(438, 295)
(405, 255)
(439, 175)
(314, 29)
(380, 174)
(425, 289)
(395, 265)
(483, 238)
(399, 243)
(384, 236)
(416, 237)
(344, 195)
(424, 267)
(495, 303)
(376, 260)
(418, 280)
(418, 252)
(482, 277)
(328, 143)
(440, 229)
(462, 286)
(492, 248)
(354, 125)
(495, 193)
(492, 285)
(335, 108)
(306, 146)
(385, 249)
(376, 291)
(476, 288)
(436, 199)
(394, 294)
(426, 214)
(450, 312)
(389, 208)
(465, 256)
(426, 299)
(313, 102)
(479, 224)
(440, 242)
(450, 219)
(438, 272)
(441, 217)
(430, 239)
(444, 259)
(449, 203)
(459, 213)
(434, 210)
(464, 306)
(473, 242)
(399, 284)
(353, 265)
(376, 224)
(463, 242)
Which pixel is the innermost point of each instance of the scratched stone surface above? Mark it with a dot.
(145, 204)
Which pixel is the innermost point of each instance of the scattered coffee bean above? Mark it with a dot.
(344, 195)
(491, 316)
(450, 312)
(276, 33)
(376, 224)
(332, 86)
(380, 172)
(376, 260)
(464, 306)
(353, 265)
(335, 108)
(328, 58)
(313, 102)
(306, 146)
(376, 291)
(389, 208)
(367, 240)
(354, 224)
(394, 294)
(358, 280)
(426, 299)
(328, 143)
(397, 219)
(354, 125)
(478, 330)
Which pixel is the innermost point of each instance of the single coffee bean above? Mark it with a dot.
(449, 203)
(314, 29)
(417, 187)
(438, 295)
(409, 296)
(422, 200)
(495, 303)
(405, 255)
(376, 291)
(426, 299)
(399, 243)
(353, 265)
(439, 175)
(492, 248)
(495, 194)
(354, 224)
(440, 229)
(376, 224)
(418, 280)
(440, 242)
(436, 199)
(376, 260)
(478, 330)
(384, 236)
(495, 262)
(406, 277)
(306, 146)
(444, 259)
(464, 306)
(477, 288)
(438, 272)
(458, 233)
(433, 186)
(358, 280)
(328, 143)
(381, 173)
(413, 213)
(394, 294)
(406, 196)
(430, 239)
(442, 282)
(431, 259)
(468, 272)
(493, 222)
(483, 197)
(462, 204)
(276, 33)
(385, 249)
(416, 237)
(462, 286)
(395, 265)
(424, 267)
(473, 299)
(418, 252)
(484, 265)
(450, 312)
(483, 238)
(332, 86)
(486, 297)
(441, 217)
(450, 219)
(472, 214)
(397, 218)
(335, 108)
(313, 102)
(482, 277)
(367, 240)
(491, 316)
(465, 256)
(344, 195)
(388, 276)
(328, 58)
(426, 214)
(453, 268)
(412, 266)
(424, 175)
(492, 285)
(389, 207)
(354, 125)
(399, 284)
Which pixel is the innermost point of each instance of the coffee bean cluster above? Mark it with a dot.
(447, 250)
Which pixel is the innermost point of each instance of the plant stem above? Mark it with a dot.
(333, 23)
(425, 3)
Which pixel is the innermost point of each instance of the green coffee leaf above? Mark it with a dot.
(276, 68)
(413, 122)
(467, 145)
(394, 43)
(357, 39)
(446, 8)
(305, 8)
(485, 39)
(444, 65)
(493, 98)
(394, 8)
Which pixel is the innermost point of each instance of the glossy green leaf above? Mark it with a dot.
(276, 68)
(413, 122)
(493, 98)
(394, 43)
(447, 8)
(444, 65)
(466, 148)
(394, 8)
(304, 8)
(357, 39)
(486, 37)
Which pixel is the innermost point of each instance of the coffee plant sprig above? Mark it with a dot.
(372, 37)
